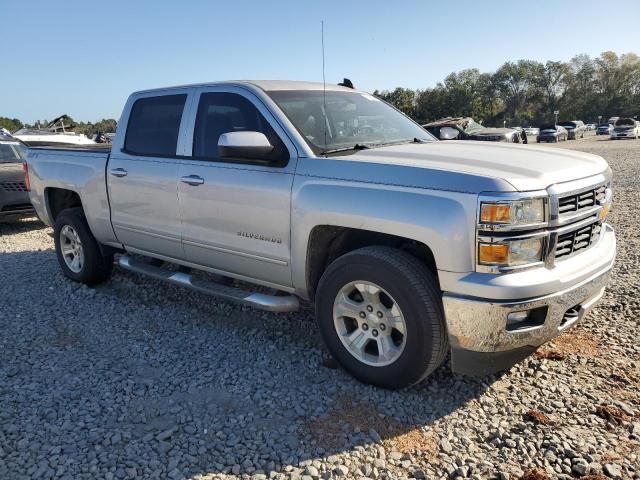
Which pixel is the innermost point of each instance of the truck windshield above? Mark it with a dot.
(11, 152)
(346, 120)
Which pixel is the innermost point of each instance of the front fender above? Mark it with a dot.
(444, 221)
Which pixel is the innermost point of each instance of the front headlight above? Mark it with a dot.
(513, 212)
(511, 253)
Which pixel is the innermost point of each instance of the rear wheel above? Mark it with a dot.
(77, 250)
(380, 314)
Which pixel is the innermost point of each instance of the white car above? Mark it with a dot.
(625, 128)
(532, 131)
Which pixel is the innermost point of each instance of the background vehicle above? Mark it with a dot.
(604, 129)
(313, 193)
(590, 127)
(14, 197)
(532, 130)
(575, 129)
(552, 133)
(56, 132)
(465, 128)
(625, 128)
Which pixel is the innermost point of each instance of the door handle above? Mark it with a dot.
(118, 172)
(193, 180)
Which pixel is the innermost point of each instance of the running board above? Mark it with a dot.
(271, 303)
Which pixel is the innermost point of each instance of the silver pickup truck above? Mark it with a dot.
(272, 192)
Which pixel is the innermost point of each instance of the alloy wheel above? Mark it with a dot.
(369, 323)
(71, 248)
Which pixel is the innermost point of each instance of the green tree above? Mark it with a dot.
(11, 124)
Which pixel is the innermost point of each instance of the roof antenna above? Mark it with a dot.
(324, 88)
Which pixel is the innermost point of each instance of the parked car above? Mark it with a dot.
(409, 247)
(575, 129)
(532, 131)
(590, 127)
(552, 133)
(465, 128)
(14, 197)
(625, 128)
(604, 129)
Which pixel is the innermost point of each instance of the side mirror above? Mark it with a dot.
(448, 133)
(246, 145)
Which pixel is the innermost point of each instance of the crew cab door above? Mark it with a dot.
(142, 174)
(236, 213)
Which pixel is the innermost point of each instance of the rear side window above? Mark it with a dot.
(220, 113)
(154, 124)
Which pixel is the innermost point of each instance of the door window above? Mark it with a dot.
(154, 124)
(220, 113)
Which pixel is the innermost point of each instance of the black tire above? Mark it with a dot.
(415, 291)
(96, 268)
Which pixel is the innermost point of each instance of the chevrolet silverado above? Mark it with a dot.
(411, 248)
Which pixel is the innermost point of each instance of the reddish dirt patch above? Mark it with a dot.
(613, 414)
(572, 343)
(327, 429)
(535, 474)
(537, 417)
(550, 355)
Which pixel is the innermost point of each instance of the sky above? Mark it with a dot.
(82, 59)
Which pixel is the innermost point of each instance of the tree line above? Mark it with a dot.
(519, 93)
(527, 92)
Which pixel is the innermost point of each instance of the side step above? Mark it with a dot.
(271, 303)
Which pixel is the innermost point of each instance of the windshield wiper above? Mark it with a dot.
(356, 147)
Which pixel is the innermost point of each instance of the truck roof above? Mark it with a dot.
(267, 85)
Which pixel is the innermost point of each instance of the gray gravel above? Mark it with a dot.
(139, 379)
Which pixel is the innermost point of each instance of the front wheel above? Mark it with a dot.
(77, 250)
(380, 314)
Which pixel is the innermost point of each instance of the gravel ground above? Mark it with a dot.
(139, 379)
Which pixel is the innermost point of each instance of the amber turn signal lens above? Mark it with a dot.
(495, 213)
(493, 254)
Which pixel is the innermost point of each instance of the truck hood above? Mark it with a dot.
(525, 168)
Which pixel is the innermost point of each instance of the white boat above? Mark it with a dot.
(55, 133)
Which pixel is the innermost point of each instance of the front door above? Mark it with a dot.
(236, 213)
(142, 177)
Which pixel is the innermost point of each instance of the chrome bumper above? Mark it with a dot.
(481, 339)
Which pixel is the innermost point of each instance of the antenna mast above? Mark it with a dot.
(324, 88)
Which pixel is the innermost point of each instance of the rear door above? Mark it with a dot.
(236, 213)
(143, 174)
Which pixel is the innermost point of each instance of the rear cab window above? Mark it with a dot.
(154, 125)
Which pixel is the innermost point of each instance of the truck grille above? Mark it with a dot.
(579, 239)
(578, 202)
(14, 186)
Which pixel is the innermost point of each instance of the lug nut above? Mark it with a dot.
(374, 332)
(370, 308)
(379, 314)
(362, 314)
(365, 326)
(383, 326)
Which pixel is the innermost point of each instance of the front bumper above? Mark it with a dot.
(481, 340)
(623, 135)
